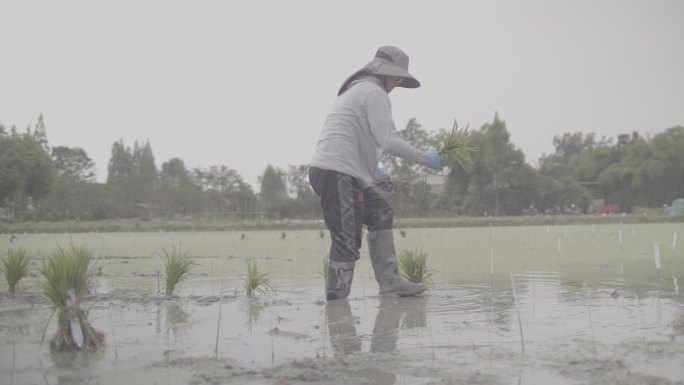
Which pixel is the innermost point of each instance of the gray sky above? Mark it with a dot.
(249, 83)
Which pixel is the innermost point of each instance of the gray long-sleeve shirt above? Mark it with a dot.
(357, 130)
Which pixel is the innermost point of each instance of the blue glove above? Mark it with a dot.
(386, 178)
(434, 160)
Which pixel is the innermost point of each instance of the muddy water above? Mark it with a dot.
(588, 309)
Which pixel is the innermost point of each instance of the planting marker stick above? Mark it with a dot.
(517, 310)
(491, 260)
(157, 265)
(218, 323)
(674, 245)
(491, 265)
(656, 253)
(620, 236)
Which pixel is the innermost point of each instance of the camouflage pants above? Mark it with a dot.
(346, 208)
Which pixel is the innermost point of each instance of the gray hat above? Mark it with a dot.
(388, 61)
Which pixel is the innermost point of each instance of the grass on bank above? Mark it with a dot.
(15, 266)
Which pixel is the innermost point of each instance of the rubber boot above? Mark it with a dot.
(386, 267)
(339, 280)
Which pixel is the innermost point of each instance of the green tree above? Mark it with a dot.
(132, 177)
(306, 203)
(26, 173)
(273, 192)
(73, 164)
(74, 171)
(225, 193)
(499, 182)
(178, 192)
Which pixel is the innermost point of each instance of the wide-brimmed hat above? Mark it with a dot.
(388, 61)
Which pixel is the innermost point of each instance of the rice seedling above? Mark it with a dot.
(412, 265)
(399, 188)
(455, 148)
(324, 268)
(15, 266)
(68, 276)
(402, 233)
(283, 235)
(177, 268)
(255, 281)
(321, 234)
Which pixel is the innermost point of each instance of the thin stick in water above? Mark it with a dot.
(218, 323)
(656, 255)
(517, 310)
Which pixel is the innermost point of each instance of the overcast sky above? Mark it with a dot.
(249, 83)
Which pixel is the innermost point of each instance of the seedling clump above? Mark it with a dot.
(15, 266)
(255, 281)
(455, 148)
(412, 265)
(68, 276)
(177, 268)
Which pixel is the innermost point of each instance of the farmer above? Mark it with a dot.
(357, 130)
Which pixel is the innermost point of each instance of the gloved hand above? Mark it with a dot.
(384, 180)
(434, 160)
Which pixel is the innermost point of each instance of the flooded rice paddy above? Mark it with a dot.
(589, 307)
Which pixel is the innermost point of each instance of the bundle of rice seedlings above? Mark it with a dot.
(177, 268)
(68, 276)
(255, 281)
(400, 198)
(412, 265)
(455, 148)
(15, 267)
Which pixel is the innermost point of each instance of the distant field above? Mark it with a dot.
(132, 225)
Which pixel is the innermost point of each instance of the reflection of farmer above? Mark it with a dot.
(358, 128)
(342, 327)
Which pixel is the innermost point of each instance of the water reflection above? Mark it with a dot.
(342, 327)
(177, 321)
(394, 314)
(254, 309)
(74, 367)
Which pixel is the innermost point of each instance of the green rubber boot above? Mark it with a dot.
(339, 280)
(386, 267)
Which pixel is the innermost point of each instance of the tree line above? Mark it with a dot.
(39, 182)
